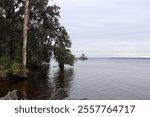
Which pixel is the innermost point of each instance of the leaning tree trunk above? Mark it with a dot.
(24, 42)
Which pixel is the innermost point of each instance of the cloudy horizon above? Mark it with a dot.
(107, 28)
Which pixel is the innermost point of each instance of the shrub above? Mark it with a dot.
(14, 68)
(10, 68)
(3, 73)
(4, 62)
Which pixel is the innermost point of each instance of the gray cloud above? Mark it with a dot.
(105, 28)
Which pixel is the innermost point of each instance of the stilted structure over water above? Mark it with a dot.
(83, 57)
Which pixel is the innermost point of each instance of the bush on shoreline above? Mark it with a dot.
(10, 68)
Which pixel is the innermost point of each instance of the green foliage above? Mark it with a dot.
(44, 27)
(8, 67)
(4, 61)
(14, 68)
(10, 27)
(70, 59)
(3, 72)
(46, 36)
(63, 56)
(61, 51)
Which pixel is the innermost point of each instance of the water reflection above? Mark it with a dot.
(92, 79)
(40, 85)
(62, 82)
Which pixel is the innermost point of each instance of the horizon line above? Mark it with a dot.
(118, 57)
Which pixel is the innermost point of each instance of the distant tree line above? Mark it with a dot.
(46, 36)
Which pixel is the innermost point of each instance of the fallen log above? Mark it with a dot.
(10, 96)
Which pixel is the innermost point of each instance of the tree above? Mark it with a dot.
(43, 23)
(45, 34)
(10, 28)
(25, 26)
(61, 51)
(63, 56)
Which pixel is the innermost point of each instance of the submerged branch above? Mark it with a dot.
(10, 96)
(55, 92)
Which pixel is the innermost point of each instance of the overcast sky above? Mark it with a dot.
(107, 28)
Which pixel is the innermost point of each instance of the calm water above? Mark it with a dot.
(91, 79)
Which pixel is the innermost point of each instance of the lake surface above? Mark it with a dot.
(98, 79)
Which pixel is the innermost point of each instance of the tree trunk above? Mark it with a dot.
(24, 42)
(61, 67)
